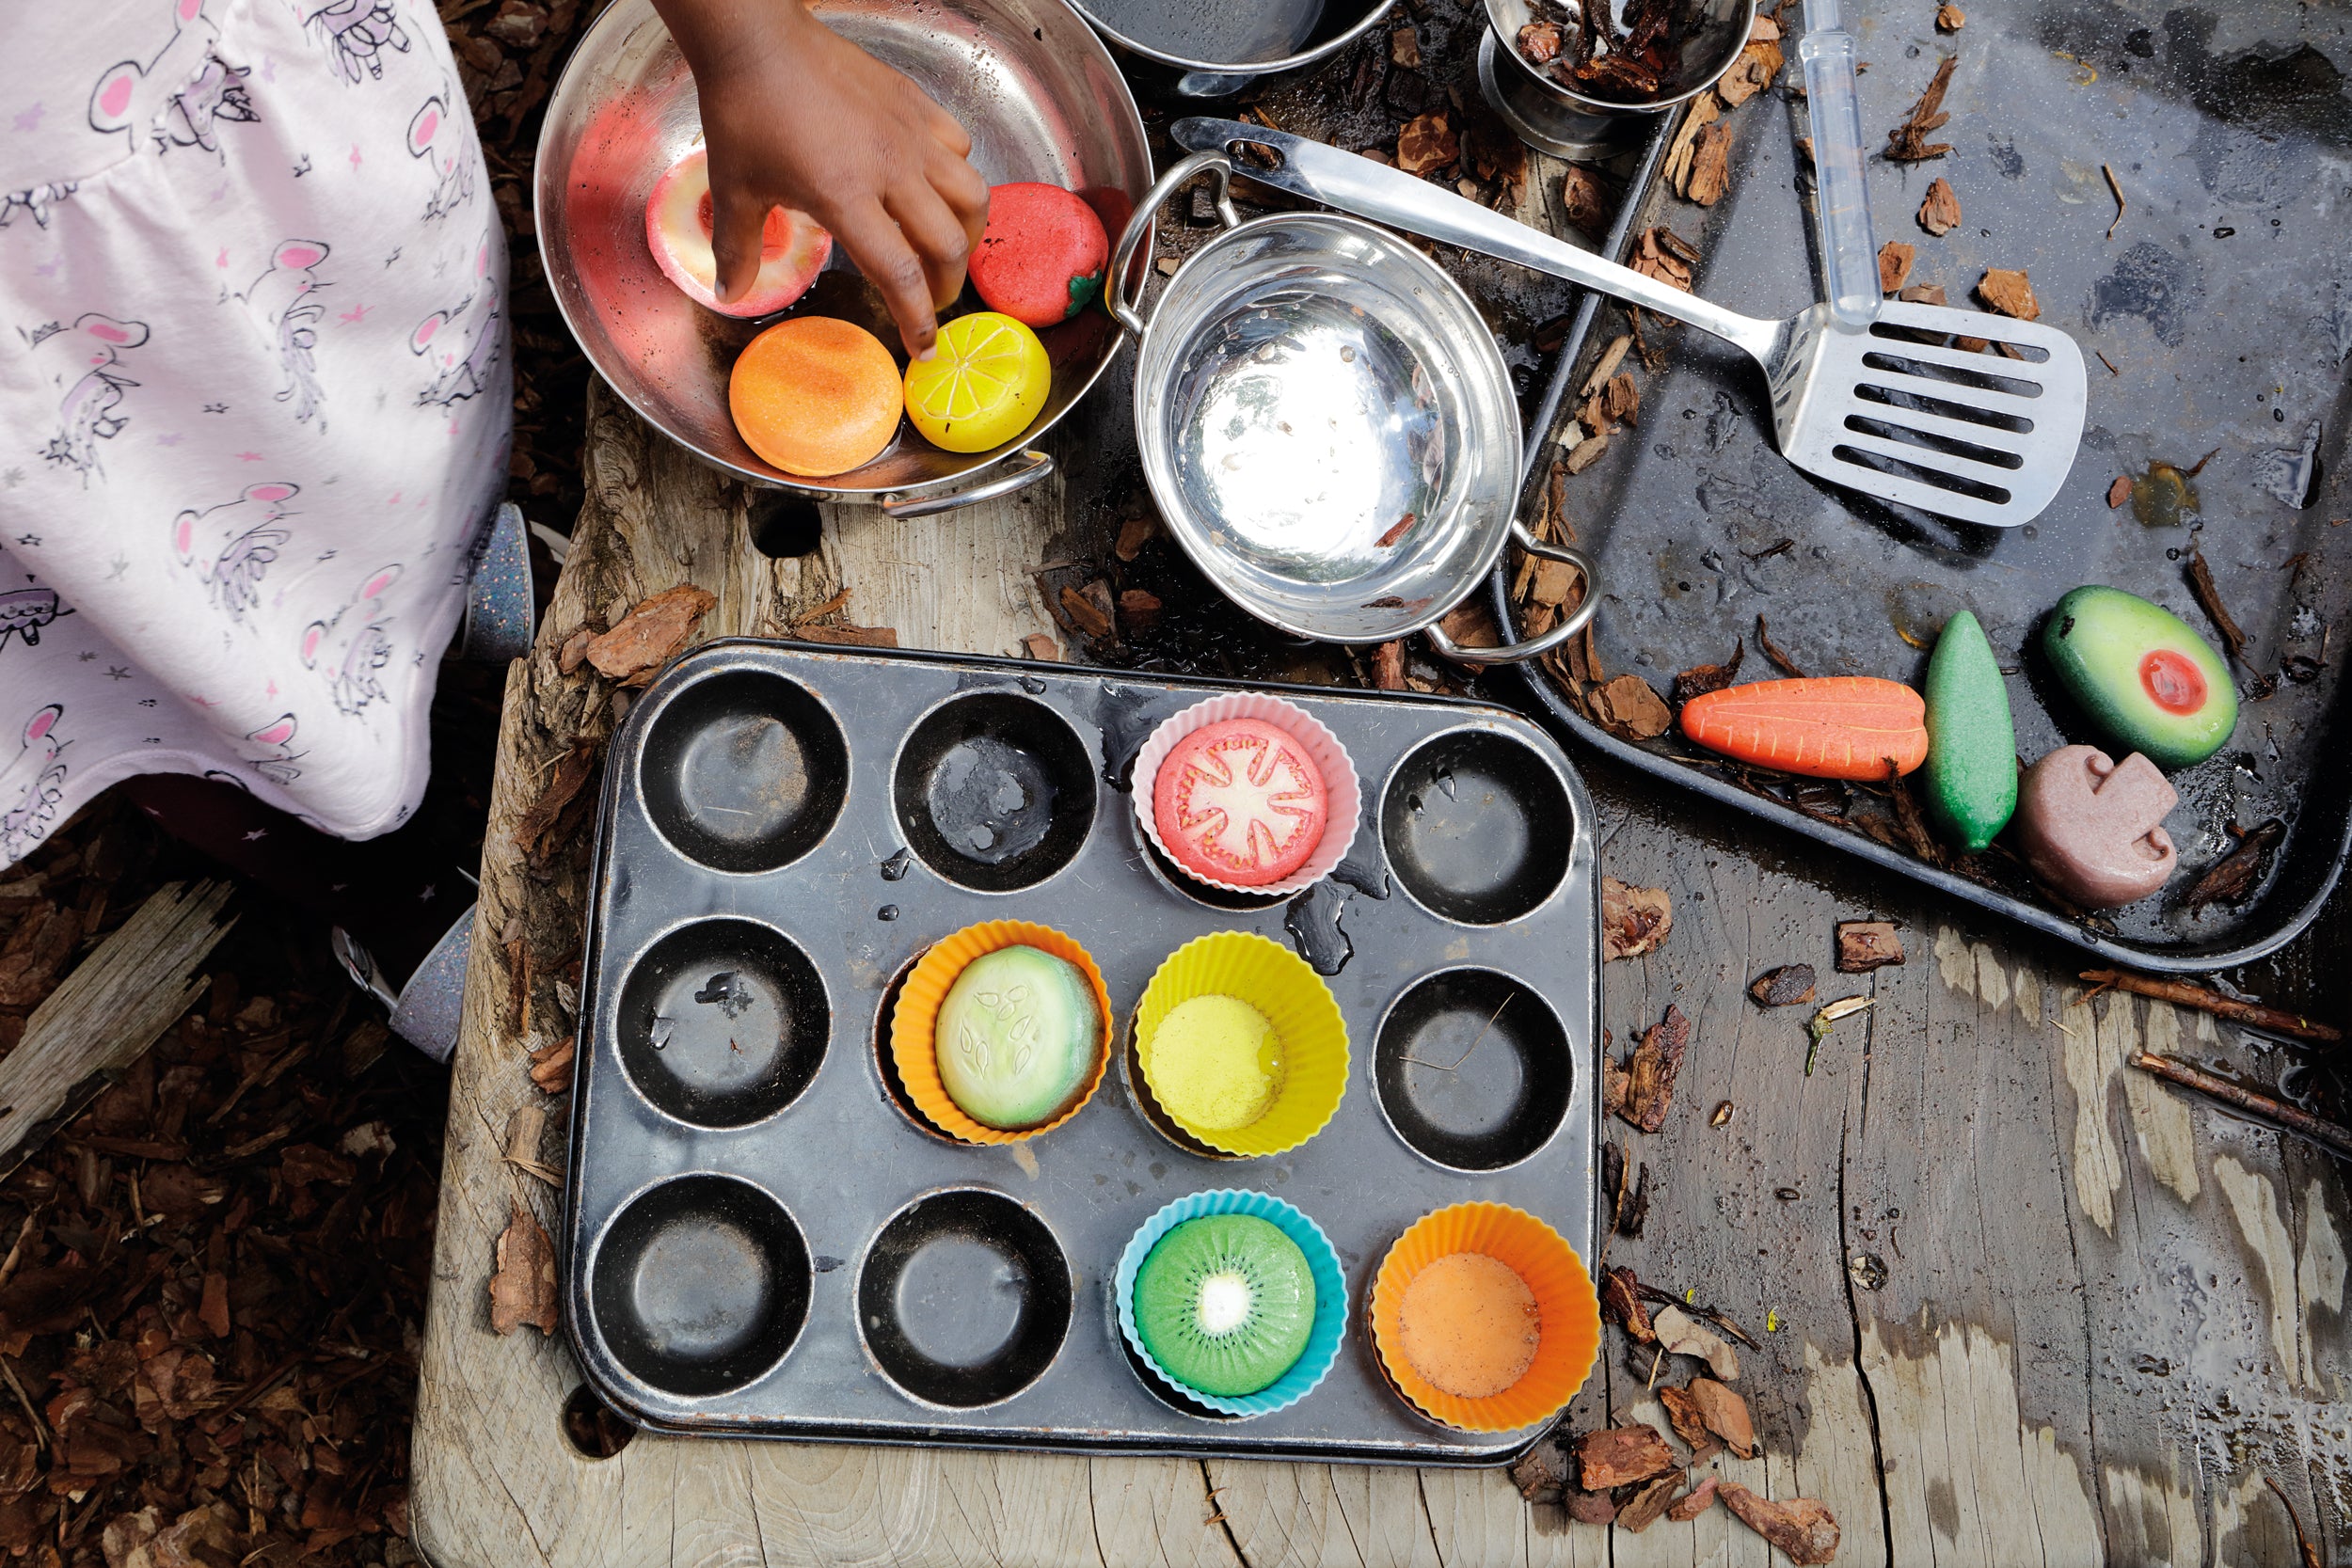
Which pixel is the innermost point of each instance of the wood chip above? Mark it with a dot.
(2183, 993)
(1552, 582)
(1704, 111)
(1757, 68)
(1939, 215)
(1542, 1474)
(2235, 874)
(1630, 708)
(1388, 667)
(1426, 144)
(1590, 1508)
(1800, 1526)
(1697, 1501)
(2120, 492)
(552, 1066)
(2008, 293)
(1138, 610)
(1587, 452)
(573, 771)
(1895, 259)
(1682, 1413)
(1621, 1304)
(1789, 986)
(1089, 609)
(1471, 625)
(1923, 293)
(1606, 366)
(1908, 142)
(2209, 596)
(1041, 646)
(653, 632)
(1648, 1505)
(1700, 679)
(1781, 661)
(1134, 534)
(1864, 945)
(850, 637)
(1683, 1334)
(1664, 255)
(1950, 19)
(1633, 920)
(212, 1307)
(1588, 201)
(1650, 1070)
(575, 649)
(1539, 43)
(1725, 1415)
(1404, 48)
(523, 1289)
(1619, 1456)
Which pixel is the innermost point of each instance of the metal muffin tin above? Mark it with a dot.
(767, 1242)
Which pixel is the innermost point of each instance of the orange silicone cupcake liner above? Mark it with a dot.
(913, 1051)
(1569, 1312)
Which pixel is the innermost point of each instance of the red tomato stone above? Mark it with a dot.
(1041, 261)
(1240, 802)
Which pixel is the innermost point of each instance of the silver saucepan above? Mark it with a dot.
(1327, 426)
(1028, 81)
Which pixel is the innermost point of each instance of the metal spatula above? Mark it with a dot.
(1889, 409)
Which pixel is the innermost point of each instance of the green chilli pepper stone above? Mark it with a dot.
(1972, 743)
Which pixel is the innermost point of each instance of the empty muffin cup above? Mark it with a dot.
(915, 1044)
(1268, 793)
(722, 1022)
(1477, 826)
(995, 791)
(1230, 1302)
(744, 771)
(964, 1298)
(1241, 1044)
(700, 1286)
(1485, 1317)
(1472, 1068)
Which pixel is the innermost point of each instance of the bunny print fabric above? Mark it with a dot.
(254, 398)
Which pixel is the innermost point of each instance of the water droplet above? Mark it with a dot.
(889, 911)
(1033, 686)
(896, 867)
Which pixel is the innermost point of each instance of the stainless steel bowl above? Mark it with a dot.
(1221, 46)
(1710, 52)
(1327, 426)
(1027, 79)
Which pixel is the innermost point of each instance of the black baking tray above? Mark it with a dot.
(722, 882)
(2214, 319)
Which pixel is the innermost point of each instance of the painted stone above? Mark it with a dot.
(2093, 829)
(1041, 259)
(1017, 1037)
(2142, 674)
(1972, 743)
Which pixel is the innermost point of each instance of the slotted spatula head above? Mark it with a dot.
(1897, 411)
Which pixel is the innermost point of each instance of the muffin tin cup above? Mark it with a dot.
(1295, 1000)
(1323, 1339)
(1343, 794)
(914, 1049)
(1569, 1311)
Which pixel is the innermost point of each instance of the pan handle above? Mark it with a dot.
(1123, 309)
(1022, 471)
(1533, 647)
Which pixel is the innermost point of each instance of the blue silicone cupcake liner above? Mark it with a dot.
(1323, 1338)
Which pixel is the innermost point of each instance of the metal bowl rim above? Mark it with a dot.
(801, 485)
(1288, 62)
(1485, 352)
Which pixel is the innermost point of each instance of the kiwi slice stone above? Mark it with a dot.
(1224, 1304)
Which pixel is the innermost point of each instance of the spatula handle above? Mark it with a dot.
(1849, 255)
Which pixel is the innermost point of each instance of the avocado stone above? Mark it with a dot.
(1972, 743)
(2142, 674)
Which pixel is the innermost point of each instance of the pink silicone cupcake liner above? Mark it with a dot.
(1343, 796)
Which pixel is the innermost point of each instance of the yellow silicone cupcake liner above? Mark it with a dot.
(916, 1054)
(1569, 1313)
(1306, 1019)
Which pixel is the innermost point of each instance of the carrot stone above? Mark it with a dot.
(1828, 727)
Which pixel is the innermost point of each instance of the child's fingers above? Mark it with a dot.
(936, 234)
(889, 262)
(965, 192)
(737, 219)
(946, 130)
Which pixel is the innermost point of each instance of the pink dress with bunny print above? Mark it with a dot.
(254, 398)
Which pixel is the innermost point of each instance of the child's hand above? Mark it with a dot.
(796, 115)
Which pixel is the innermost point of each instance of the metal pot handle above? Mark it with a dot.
(1533, 647)
(1121, 309)
(1022, 472)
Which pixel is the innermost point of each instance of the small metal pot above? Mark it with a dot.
(1327, 426)
(1552, 116)
(1028, 81)
(1215, 48)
